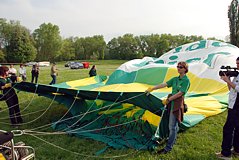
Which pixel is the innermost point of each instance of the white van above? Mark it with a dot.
(44, 64)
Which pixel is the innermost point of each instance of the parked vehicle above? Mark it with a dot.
(30, 63)
(76, 65)
(44, 64)
(86, 64)
(68, 64)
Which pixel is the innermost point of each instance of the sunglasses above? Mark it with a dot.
(181, 67)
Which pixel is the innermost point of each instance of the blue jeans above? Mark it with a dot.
(173, 129)
(53, 79)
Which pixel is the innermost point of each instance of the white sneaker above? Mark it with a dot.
(221, 156)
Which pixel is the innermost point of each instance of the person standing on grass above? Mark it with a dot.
(231, 127)
(35, 73)
(13, 73)
(93, 71)
(10, 96)
(22, 72)
(175, 102)
(54, 73)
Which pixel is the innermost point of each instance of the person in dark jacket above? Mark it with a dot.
(93, 71)
(10, 96)
(35, 73)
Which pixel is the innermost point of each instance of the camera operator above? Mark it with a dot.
(231, 127)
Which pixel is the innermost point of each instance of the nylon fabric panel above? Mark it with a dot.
(205, 106)
(152, 76)
(121, 77)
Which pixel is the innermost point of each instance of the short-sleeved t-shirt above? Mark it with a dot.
(179, 84)
(53, 70)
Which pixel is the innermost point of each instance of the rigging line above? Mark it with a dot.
(91, 130)
(31, 99)
(99, 129)
(115, 102)
(22, 115)
(98, 116)
(60, 120)
(70, 118)
(94, 110)
(43, 133)
(43, 112)
(12, 87)
(88, 155)
(136, 152)
(76, 153)
(7, 108)
(7, 98)
(83, 114)
(20, 103)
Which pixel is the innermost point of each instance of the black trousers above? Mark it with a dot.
(231, 132)
(13, 106)
(34, 77)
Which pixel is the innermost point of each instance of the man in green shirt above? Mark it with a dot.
(180, 86)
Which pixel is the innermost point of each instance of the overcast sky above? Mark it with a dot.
(113, 18)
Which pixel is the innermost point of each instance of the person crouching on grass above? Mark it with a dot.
(10, 96)
(180, 85)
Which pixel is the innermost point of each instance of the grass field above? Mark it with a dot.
(199, 143)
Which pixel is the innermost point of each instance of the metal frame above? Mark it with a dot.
(13, 149)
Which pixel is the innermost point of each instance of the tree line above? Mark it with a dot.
(18, 44)
(233, 15)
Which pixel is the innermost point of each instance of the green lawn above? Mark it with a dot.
(199, 142)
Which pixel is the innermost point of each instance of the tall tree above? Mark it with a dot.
(3, 38)
(79, 48)
(233, 22)
(16, 42)
(93, 47)
(67, 50)
(153, 45)
(2, 56)
(112, 48)
(162, 46)
(48, 42)
(100, 46)
(125, 47)
(4, 33)
(88, 44)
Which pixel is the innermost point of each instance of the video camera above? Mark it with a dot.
(228, 71)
